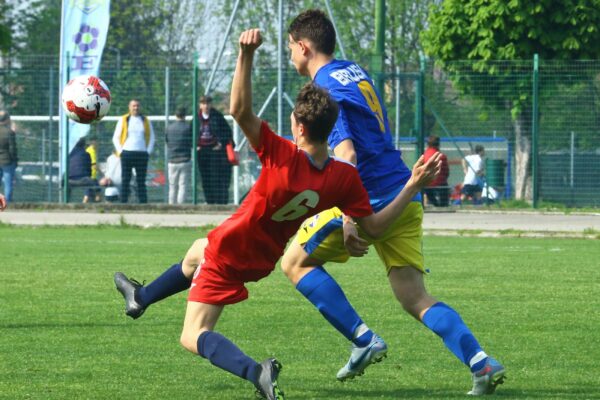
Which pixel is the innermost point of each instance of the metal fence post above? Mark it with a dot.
(379, 47)
(236, 169)
(509, 167)
(280, 68)
(51, 95)
(195, 131)
(535, 132)
(419, 110)
(397, 122)
(66, 144)
(167, 107)
(572, 169)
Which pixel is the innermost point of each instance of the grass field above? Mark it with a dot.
(532, 303)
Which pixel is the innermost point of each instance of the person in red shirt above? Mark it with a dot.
(436, 193)
(297, 180)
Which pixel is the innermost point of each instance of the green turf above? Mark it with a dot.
(532, 303)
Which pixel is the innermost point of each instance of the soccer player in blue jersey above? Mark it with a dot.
(362, 136)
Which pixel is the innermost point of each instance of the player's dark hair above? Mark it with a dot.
(479, 149)
(314, 26)
(433, 141)
(180, 112)
(317, 111)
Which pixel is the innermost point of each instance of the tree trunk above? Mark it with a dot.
(523, 186)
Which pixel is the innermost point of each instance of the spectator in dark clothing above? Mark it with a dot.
(179, 154)
(8, 155)
(437, 192)
(80, 170)
(214, 133)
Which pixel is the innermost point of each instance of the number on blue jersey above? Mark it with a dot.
(367, 90)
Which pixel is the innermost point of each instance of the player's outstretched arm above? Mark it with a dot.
(422, 174)
(240, 106)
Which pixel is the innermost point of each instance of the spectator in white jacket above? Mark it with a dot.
(134, 141)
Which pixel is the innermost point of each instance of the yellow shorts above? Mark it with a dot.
(400, 246)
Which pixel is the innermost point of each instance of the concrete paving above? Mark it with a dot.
(518, 221)
(488, 221)
(18, 217)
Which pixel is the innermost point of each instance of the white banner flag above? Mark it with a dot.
(84, 28)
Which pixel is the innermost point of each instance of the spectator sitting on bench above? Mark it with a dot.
(92, 150)
(112, 178)
(80, 171)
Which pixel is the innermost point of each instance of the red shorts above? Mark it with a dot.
(221, 285)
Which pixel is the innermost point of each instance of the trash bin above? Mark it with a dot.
(494, 172)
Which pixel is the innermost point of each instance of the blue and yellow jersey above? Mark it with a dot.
(363, 119)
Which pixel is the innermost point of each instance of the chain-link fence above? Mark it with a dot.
(539, 123)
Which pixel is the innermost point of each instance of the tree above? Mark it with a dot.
(142, 41)
(36, 32)
(41, 28)
(482, 31)
(5, 31)
(5, 45)
(355, 24)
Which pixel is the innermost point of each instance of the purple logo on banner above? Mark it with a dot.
(86, 40)
(85, 26)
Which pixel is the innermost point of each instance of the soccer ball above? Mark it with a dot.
(86, 99)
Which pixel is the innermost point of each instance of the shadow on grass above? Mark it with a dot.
(589, 392)
(79, 325)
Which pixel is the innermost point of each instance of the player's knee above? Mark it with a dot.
(415, 302)
(290, 266)
(285, 265)
(188, 342)
(410, 306)
(195, 254)
(409, 289)
(189, 339)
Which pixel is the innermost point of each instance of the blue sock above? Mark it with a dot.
(448, 325)
(325, 294)
(222, 353)
(171, 282)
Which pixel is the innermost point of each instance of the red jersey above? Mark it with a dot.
(289, 190)
(442, 178)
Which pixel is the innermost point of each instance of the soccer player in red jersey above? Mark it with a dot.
(297, 180)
